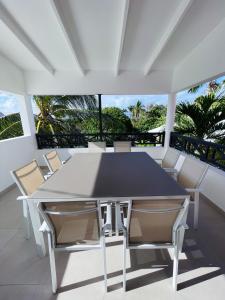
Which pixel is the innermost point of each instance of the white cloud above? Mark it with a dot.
(8, 103)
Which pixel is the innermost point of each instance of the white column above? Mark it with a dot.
(170, 117)
(27, 116)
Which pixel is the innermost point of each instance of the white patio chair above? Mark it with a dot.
(96, 147)
(190, 176)
(169, 161)
(53, 161)
(155, 224)
(28, 179)
(122, 146)
(72, 226)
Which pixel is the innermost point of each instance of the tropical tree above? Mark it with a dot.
(10, 126)
(114, 120)
(153, 117)
(136, 112)
(204, 118)
(63, 113)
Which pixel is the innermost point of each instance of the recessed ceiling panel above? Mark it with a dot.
(147, 21)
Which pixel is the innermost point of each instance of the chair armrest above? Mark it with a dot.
(21, 198)
(44, 227)
(193, 190)
(65, 161)
(158, 161)
(48, 175)
(170, 170)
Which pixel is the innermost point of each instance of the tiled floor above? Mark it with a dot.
(23, 275)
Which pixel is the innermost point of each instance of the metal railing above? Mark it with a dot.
(74, 140)
(212, 153)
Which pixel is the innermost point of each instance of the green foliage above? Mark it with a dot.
(10, 126)
(63, 113)
(153, 117)
(204, 118)
(114, 120)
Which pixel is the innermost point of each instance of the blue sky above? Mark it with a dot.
(10, 104)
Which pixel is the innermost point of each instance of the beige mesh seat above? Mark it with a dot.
(156, 224)
(72, 226)
(190, 176)
(122, 146)
(169, 161)
(53, 161)
(96, 147)
(28, 179)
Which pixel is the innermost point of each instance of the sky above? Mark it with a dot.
(9, 102)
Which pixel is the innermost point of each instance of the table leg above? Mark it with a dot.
(36, 224)
(118, 218)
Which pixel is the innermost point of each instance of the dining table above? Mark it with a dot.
(109, 178)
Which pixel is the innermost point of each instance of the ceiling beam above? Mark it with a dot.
(178, 16)
(122, 35)
(18, 31)
(67, 33)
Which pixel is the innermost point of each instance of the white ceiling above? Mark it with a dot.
(81, 36)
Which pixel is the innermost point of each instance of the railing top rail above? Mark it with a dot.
(199, 140)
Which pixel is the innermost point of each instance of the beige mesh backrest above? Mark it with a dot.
(53, 160)
(82, 228)
(121, 146)
(191, 173)
(29, 177)
(150, 226)
(170, 159)
(96, 146)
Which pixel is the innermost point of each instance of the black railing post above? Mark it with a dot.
(100, 114)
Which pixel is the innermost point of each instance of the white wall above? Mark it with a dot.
(11, 77)
(14, 153)
(214, 186)
(98, 82)
(205, 62)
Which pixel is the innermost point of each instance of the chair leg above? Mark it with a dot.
(109, 218)
(196, 209)
(175, 267)
(124, 264)
(36, 224)
(104, 263)
(26, 218)
(52, 264)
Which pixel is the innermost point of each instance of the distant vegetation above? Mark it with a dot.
(204, 117)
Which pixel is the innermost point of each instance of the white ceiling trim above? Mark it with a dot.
(17, 30)
(122, 36)
(66, 31)
(178, 16)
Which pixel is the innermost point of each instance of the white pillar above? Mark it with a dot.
(27, 116)
(170, 117)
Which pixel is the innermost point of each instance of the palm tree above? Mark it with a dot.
(136, 110)
(10, 126)
(213, 87)
(63, 113)
(56, 114)
(204, 118)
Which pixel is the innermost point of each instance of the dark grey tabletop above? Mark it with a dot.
(109, 176)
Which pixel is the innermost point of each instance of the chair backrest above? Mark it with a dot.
(96, 146)
(74, 222)
(122, 146)
(170, 158)
(152, 221)
(191, 173)
(53, 161)
(28, 178)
